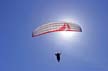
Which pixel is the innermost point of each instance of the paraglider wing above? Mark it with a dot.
(56, 27)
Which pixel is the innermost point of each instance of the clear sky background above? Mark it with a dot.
(20, 52)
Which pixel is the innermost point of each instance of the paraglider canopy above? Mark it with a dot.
(56, 27)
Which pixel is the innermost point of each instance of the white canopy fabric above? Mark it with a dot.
(56, 27)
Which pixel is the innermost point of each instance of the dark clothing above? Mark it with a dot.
(58, 56)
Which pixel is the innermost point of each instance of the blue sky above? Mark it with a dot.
(20, 52)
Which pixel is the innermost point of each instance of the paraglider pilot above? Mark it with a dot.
(58, 56)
